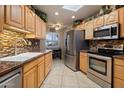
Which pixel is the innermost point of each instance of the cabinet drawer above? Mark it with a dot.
(40, 59)
(119, 62)
(118, 83)
(111, 17)
(119, 72)
(30, 65)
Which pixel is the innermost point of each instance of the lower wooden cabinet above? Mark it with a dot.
(48, 63)
(41, 74)
(83, 62)
(118, 79)
(35, 71)
(30, 78)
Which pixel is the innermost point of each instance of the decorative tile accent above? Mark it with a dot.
(7, 39)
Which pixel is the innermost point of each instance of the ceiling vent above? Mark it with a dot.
(73, 8)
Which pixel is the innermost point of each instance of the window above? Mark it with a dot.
(52, 39)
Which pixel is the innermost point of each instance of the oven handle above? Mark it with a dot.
(99, 56)
(10, 78)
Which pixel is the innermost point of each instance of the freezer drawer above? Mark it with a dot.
(71, 62)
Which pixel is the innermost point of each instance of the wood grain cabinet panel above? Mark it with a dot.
(1, 17)
(112, 17)
(38, 27)
(89, 30)
(15, 15)
(30, 78)
(83, 62)
(41, 73)
(121, 18)
(29, 20)
(43, 32)
(118, 73)
(98, 22)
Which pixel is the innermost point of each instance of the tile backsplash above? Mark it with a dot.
(95, 43)
(7, 41)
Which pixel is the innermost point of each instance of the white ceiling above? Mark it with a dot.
(64, 16)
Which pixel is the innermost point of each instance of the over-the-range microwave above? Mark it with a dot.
(107, 32)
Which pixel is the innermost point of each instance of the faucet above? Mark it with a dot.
(16, 41)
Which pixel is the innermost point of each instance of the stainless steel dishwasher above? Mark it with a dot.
(12, 79)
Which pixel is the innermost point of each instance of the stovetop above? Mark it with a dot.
(106, 52)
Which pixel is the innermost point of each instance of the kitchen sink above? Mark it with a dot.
(21, 57)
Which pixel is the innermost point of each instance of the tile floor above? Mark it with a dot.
(62, 77)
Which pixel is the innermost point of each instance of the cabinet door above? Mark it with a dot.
(83, 62)
(121, 21)
(15, 15)
(111, 17)
(29, 20)
(41, 73)
(89, 30)
(30, 78)
(38, 27)
(1, 17)
(43, 30)
(98, 22)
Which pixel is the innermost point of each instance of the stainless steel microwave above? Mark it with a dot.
(107, 32)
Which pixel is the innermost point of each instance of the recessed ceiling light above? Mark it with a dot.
(73, 17)
(73, 8)
(56, 13)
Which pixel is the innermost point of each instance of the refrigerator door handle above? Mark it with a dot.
(68, 43)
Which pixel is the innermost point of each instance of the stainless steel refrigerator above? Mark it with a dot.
(74, 42)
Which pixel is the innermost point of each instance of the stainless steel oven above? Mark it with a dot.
(100, 69)
(107, 32)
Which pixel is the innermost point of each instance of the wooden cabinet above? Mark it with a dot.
(29, 20)
(41, 74)
(15, 15)
(80, 27)
(1, 17)
(30, 78)
(83, 62)
(48, 63)
(121, 18)
(89, 30)
(43, 32)
(35, 71)
(98, 22)
(112, 17)
(118, 73)
(38, 27)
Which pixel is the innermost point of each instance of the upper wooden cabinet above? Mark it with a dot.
(98, 22)
(1, 17)
(89, 30)
(112, 17)
(121, 21)
(38, 27)
(15, 15)
(43, 30)
(80, 27)
(29, 20)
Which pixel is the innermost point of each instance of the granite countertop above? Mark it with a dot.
(119, 56)
(85, 51)
(8, 66)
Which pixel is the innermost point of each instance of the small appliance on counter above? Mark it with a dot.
(100, 63)
(74, 42)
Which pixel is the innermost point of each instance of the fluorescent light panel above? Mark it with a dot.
(73, 8)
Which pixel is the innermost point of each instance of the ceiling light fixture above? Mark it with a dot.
(73, 17)
(73, 8)
(56, 13)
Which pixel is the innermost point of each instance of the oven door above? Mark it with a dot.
(100, 66)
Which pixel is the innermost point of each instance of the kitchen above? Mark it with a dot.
(83, 51)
